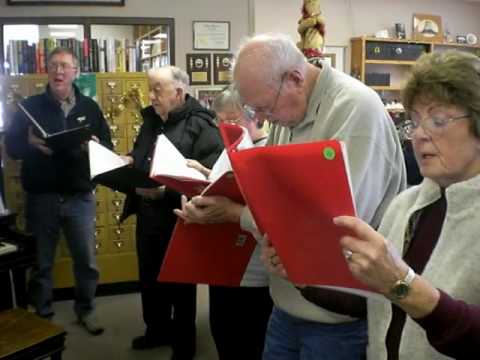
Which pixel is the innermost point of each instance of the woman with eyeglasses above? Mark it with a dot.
(234, 309)
(425, 257)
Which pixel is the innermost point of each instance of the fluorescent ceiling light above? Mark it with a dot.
(62, 33)
(62, 26)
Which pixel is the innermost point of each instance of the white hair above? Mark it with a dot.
(278, 52)
(178, 77)
(228, 97)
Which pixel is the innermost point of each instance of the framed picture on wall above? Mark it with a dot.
(335, 57)
(206, 94)
(222, 68)
(211, 35)
(67, 2)
(427, 28)
(199, 69)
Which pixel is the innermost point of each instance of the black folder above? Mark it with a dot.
(107, 168)
(61, 140)
(125, 179)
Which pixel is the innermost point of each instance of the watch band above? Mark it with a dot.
(409, 277)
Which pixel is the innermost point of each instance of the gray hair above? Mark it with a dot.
(228, 97)
(178, 77)
(278, 55)
(62, 50)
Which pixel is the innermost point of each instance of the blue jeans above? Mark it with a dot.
(46, 215)
(290, 338)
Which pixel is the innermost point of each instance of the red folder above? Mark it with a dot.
(214, 254)
(294, 191)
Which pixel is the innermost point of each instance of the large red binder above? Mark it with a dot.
(214, 254)
(294, 191)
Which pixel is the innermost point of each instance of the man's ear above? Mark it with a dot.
(180, 93)
(295, 77)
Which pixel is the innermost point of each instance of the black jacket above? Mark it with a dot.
(193, 132)
(63, 172)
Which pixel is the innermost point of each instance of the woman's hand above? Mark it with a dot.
(196, 165)
(371, 258)
(209, 210)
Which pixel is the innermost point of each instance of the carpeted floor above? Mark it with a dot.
(121, 316)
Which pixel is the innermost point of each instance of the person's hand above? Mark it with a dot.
(38, 143)
(94, 138)
(127, 159)
(371, 258)
(270, 259)
(151, 193)
(209, 210)
(196, 165)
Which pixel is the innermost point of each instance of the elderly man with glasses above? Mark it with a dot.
(59, 193)
(306, 103)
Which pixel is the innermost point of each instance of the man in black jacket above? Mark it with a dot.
(169, 310)
(59, 193)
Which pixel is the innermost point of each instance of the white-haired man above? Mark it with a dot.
(169, 310)
(306, 103)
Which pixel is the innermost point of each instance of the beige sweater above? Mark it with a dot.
(454, 265)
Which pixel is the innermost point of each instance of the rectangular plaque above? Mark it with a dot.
(222, 68)
(198, 68)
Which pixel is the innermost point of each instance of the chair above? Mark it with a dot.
(25, 336)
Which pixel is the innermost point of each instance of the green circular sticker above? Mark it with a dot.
(329, 153)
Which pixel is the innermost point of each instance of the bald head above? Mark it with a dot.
(273, 78)
(266, 57)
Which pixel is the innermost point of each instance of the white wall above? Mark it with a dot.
(184, 12)
(344, 18)
(349, 18)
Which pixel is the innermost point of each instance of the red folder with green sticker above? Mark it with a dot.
(294, 191)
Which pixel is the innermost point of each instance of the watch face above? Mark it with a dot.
(400, 290)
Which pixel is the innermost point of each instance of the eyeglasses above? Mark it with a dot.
(54, 67)
(432, 125)
(252, 112)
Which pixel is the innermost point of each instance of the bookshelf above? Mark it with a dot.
(392, 58)
(102, 44)
(154, 49)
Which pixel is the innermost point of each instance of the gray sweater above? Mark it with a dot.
(343, 108)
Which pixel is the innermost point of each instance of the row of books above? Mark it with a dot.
(94, 55)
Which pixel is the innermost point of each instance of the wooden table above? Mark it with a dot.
(25, 336)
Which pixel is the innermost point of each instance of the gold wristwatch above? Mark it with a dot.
(401, 288)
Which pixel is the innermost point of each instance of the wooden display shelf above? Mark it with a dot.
(386, 88)
(390, 62)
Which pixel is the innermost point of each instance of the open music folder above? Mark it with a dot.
(214, 254)
(294, 192)
(61, 140)
(109, 169)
